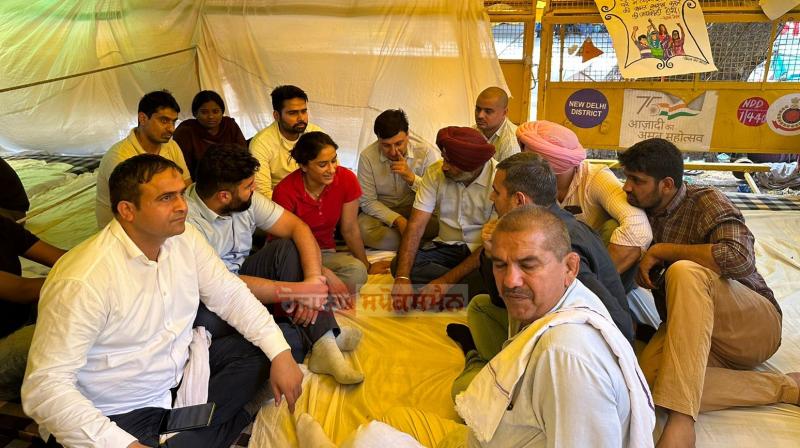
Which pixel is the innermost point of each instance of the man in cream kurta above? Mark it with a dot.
(158, 112)
(273, 144)
(272, 150)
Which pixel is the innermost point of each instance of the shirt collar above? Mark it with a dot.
(674, 203)
(496, 134)
(485, 178)
(298, 185)
(131, 249)
(200, 206)
(135, 141)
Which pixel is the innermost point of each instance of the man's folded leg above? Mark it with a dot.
(238, 370)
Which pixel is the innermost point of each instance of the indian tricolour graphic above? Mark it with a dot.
(653, 114)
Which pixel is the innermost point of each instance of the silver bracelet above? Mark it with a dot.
(403, 277)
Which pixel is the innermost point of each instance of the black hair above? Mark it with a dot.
(123, 184)
(390, 123)
(222, 167)
(530, 174)
(654, 157)
(309, 145)
(283, 93)
(157, 100)
(205, 96)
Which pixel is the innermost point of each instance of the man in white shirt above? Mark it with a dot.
(272, 145)
(158, 112)
(459, 186)
(115, 323)
(389, 171)
(287, 271)
(491, 118)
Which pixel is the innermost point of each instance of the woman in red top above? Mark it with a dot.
(322, 194)
(208, 127)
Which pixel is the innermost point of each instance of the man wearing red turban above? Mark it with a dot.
(459, 187)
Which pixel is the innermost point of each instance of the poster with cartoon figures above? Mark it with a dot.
(653, 114)
(657, 37)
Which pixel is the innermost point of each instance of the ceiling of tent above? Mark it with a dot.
(73, 71)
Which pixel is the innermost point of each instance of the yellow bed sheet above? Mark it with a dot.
(409, 361)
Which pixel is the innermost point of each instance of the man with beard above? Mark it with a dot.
(491, 118)
(158, 113)
(721, 320)
(272, 145)
(226, 209)
(389, 171)
(458, 186)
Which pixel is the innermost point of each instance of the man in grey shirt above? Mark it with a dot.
(389, 171)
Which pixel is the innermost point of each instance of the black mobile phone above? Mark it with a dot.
(189, 417)
(657, 276)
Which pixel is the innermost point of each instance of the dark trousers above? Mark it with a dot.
(238, 370)
(277, 260)
(430, 264)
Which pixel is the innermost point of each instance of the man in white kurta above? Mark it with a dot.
(158, 112)
(115, 323)
(566, 377)
(390, 171)
(272, 145)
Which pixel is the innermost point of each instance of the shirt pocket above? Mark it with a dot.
(133, 358)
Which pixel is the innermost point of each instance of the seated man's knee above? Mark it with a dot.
(285, 248)
(478, 304)
(684, 270)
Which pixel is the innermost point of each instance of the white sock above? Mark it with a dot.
(327, 358)
(310, 433)
(348, 338)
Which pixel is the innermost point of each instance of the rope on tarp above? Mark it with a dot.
(98, 70)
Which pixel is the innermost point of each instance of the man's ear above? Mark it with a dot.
(224, 197)
(519, 199)
(141, 117)
(667, 184)
(276, 115)
(573, 262)
(126, 211)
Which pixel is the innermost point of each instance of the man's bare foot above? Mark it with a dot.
(678, 432)
(795, 376)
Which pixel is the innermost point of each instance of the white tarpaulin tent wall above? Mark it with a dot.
(354, 58)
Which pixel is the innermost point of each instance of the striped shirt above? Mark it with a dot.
(703, 215)
(598, 193)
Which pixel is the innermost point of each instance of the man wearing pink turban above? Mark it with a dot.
(591, 192)
(459, 187)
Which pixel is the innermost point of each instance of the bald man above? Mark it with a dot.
(491, 110)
